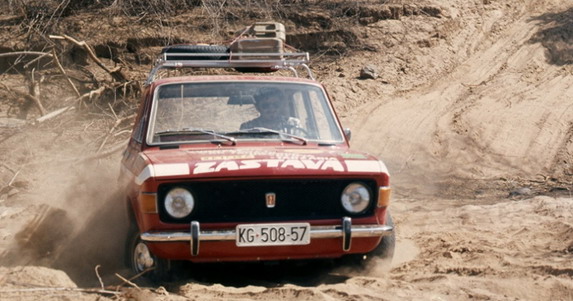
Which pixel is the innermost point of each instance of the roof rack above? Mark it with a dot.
(240, 61)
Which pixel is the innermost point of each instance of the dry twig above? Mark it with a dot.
(54, 114)
(14, 178)
(90, 95)
(18, 53)
(132, 278)
(28, 97)
(6, 188)
(59, 289)
(120, 146)
(110, 132)
(126, 281)
(116, 73)
(57, 61)
(126, 131)
(98, 276)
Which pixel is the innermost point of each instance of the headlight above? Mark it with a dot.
(355, 198)
(179, 202)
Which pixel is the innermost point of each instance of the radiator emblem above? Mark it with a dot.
(271, 199)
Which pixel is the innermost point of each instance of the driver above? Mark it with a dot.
(269, 103)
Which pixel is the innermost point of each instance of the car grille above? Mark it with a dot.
(244, 201)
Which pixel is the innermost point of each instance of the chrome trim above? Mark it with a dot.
(279, 60)
(316, 232)
(195, 234)
(346, 233)
(270, 199)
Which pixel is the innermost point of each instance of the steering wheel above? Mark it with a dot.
(294, 128)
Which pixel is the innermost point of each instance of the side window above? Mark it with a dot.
(141, 119)
(138, 131)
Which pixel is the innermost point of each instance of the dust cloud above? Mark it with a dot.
(98, 210)
(74, 216)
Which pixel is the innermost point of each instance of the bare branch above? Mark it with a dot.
(116, 148)
(28, 97)
(57, 61)
(90, 95)
(132, 278)
(98, 277)
(127, 281)
(59, 289)
(14, 178)
(34, 91)
(110, 132)
(18, 53)
(115, 73)
(53, 114)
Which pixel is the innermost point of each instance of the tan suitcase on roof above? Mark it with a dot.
(270, 30)
(252, 45)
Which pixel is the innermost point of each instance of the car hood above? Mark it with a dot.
(259, 162)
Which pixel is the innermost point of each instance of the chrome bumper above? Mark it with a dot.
(346, 230)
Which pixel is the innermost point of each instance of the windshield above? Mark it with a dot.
(234, 111)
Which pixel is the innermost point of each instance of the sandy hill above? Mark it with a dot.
(471, 110)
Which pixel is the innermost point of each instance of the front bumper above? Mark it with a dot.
(345, 230)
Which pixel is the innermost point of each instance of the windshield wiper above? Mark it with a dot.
(194, 131)
(261, 130)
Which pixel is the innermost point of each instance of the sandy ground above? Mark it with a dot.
(472, 112)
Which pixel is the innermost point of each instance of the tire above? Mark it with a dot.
(255, 70)
(140, 259)
(208, 49)
(385, 250)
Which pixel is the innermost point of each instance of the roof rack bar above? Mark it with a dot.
(229, 63)
(271, 60)
(305, 66)
(303, 55)
(293, 71)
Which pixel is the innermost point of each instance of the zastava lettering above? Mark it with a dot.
(209, 167)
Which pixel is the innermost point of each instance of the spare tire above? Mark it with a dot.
(209, 49)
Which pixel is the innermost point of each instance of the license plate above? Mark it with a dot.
(273, 234)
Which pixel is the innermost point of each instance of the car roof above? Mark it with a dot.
(219, 78)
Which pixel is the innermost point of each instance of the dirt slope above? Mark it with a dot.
(505, 111)
(472, 113)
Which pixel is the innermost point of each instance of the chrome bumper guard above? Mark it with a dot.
(346, 230)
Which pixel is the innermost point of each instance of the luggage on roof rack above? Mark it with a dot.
(268, 30)
(247, 62)
(204, 49)
(261, 37)
(264, 30)
(258, 48)
(251, 45)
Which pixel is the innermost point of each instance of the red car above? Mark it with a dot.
(248, 167)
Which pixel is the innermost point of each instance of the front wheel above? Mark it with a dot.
(141, 260)
(385, 250)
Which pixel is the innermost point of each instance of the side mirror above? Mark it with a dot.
(347, 133)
